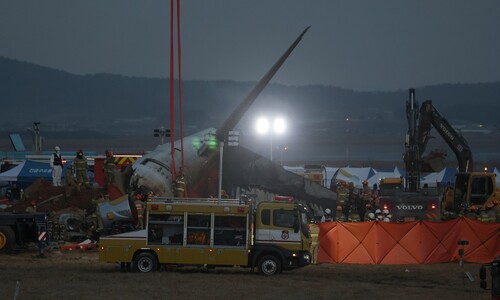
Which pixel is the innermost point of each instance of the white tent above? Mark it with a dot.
(11, 175)
(343, 175)
(431, 179)
(375, 179)
(361, 173)
(497, 173)
(329, 175)
(347, 174)
(446, 175)
(294, 169)
(354, 175)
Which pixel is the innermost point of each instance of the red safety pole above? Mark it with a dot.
(172, 94)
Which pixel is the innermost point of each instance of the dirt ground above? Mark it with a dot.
(80, 275)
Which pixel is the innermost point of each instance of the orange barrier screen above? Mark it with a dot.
(419, 242)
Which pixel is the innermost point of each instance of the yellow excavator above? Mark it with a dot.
(472, 190)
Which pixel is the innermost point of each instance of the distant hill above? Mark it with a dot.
(114, 105)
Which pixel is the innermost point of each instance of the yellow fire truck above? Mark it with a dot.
(271, 236)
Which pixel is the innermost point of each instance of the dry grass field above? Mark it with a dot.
(80, 275)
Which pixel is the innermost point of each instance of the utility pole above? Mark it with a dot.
(162, 132)
(232, 141)
(37, 138)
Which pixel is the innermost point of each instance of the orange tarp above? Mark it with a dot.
(419, 242)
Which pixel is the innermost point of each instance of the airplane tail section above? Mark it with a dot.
(238, 113)
(240, 110)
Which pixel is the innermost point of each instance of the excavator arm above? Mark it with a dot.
(420, 124)
(430, 117)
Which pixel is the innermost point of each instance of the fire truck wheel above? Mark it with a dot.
(269, 265)
(145, 262)
(7, 239)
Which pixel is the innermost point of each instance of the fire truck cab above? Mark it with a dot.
(272, 236)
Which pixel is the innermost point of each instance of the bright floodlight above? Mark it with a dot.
(279, 125)
(262, 125)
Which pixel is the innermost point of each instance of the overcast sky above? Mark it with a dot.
(362, 45)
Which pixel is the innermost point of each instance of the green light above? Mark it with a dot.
(212, 143)
(196, 142)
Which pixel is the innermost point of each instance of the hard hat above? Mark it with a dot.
(371, 216)
(378, 211)
(339, 207)
(473, 208)
(328, 211)
(385, 211)
(57, 148)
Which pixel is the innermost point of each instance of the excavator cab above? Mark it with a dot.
(482, 187)
(472, 189)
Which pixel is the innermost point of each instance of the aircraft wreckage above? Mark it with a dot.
(244, 171)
